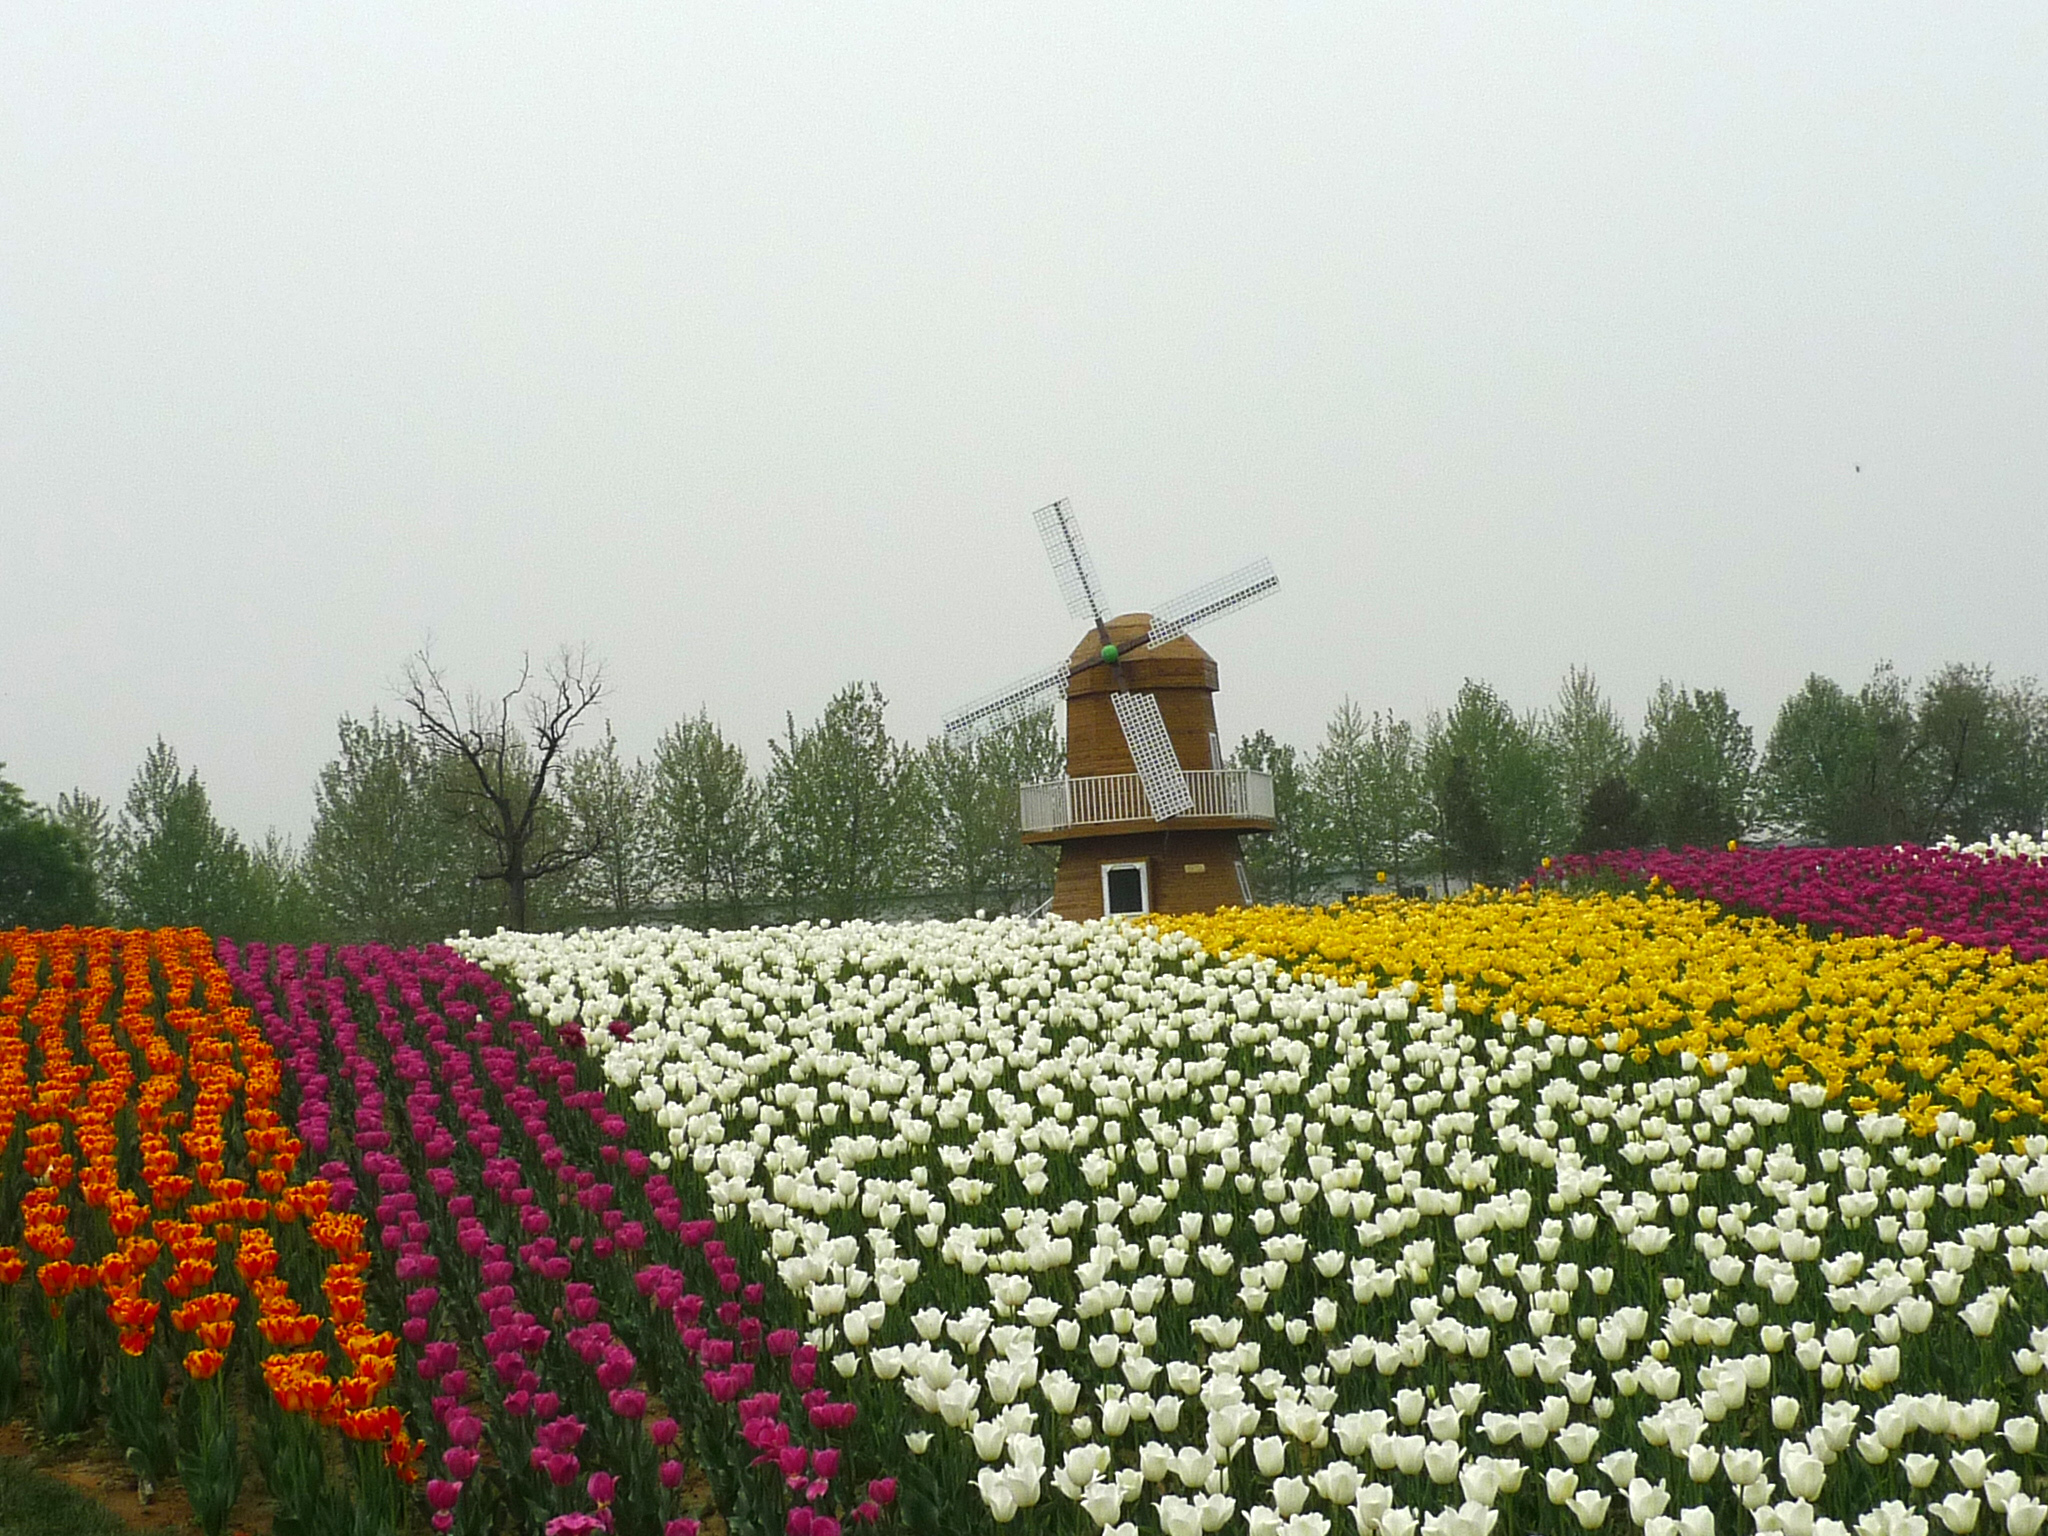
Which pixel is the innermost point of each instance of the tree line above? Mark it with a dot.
(446, 814)
(1483, 793)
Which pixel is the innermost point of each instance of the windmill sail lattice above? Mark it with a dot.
(1021, 700)
(1226, 594)
(1159, 770)
(1072, 566)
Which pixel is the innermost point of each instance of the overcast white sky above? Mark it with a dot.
(741, 344)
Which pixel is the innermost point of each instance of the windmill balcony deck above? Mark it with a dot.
(1225, 799)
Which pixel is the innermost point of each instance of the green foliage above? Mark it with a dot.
(1815, 778)
(92, 827)
(1588, 744)
(1962, 757)
(1284, 864)
(10, 1356)
(136, 1421)
(978, 862)
(1367, 797)
(608, 804)
(46, 875)
(1694, 766)
(849, 811)
(1471, 843)
(1614, 815)
(1977, 748)
(290, 1459)
(281, 902)
(207, 1462)
(175, 865)
(33, 1503)
(710, 828)
(66, 1349)
(1507, 775)
(387, 860)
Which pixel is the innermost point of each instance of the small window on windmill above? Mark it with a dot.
(1126, 889)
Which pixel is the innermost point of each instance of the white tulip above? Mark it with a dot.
(1102, 1502)
(1958, 1512)
(1646, 1500)
(1589, 1508)
(1742, 1464)
(1440, 1460)
(1290, 1494)
(1804, 1472)
(2024, 1515)
(1577, 1440)
(1970, 1466)
(1619, 1468)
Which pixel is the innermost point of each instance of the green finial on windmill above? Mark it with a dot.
(1109, 655)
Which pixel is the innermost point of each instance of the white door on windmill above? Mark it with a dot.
(1159, 770)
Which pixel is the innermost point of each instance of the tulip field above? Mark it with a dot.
(1992, 895)
(1715, 1202)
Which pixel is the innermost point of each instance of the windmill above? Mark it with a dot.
(1148, 817)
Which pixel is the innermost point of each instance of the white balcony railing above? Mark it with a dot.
(1114, 797)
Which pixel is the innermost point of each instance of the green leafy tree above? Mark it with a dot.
(1694, 764)
(2024, 718)
(1889, 764)
(388, 859)
(507, 754)
(1970, 746)
(1812, 782)
(282, 907)
(1847, 769)
(1283, 864)
(1891, 795)
(609, 805)
(1509, 770)
(46, 876)
(93, 830)
(1367, 803)
(1614, 815)
(177, 866)
(1468, 838)
(710, 823)
(979, 862)
(1587, 742)
(848, 811)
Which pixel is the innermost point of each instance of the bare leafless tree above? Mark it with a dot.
(504, 770)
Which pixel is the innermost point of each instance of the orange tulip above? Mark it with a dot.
(203, 1364)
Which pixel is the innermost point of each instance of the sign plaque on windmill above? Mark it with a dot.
(1148, 816)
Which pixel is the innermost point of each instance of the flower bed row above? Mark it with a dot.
(2011, 845)
(569, 1322)
(146, 1178)
(1103, 1229)
(1986, 898)
(1919, 1027)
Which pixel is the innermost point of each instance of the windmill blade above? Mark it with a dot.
(1006, 706)
(1159, 770)
(1226, 594)
(1072, 566)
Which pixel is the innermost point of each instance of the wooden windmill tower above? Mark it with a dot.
(1148, 817)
